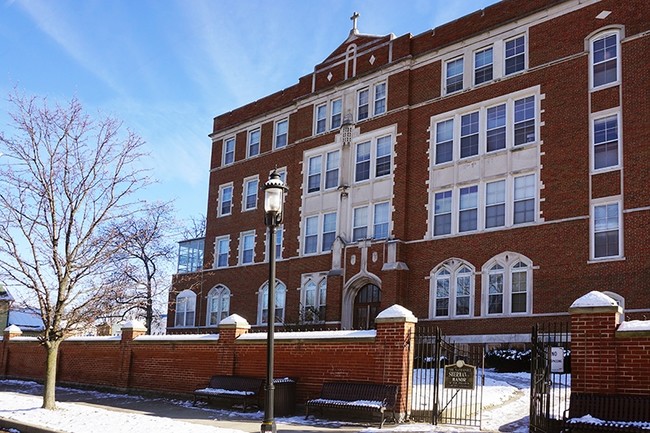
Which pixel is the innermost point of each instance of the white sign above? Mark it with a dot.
(557, 359)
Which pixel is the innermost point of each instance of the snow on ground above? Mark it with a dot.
(505, 409)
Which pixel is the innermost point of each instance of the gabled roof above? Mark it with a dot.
(26, 319)
(5, 295)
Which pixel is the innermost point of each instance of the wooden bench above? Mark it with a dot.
(617, 413)
(235, 388)
(355, 397)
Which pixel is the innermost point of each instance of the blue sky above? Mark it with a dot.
(167, 67)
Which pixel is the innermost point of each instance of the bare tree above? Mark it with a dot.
(195, 227)
(141, 268)
(63, 178)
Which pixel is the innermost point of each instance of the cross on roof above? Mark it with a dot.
(354, 18)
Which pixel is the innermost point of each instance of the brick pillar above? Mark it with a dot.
(230, 329)
(395, 336)
(594, 320)
(9, 333)
(130, 331)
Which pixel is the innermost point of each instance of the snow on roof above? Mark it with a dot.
(27, 320)
(635, 325)
(4, 294)
(312, 335)
(95, 338)
(594, 299)
(178, 337)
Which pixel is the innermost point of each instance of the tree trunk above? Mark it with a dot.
(49, 391)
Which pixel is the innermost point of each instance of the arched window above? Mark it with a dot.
(185, 309)
(314, 298)
(218, 305)
(263, 303)
(604, 58)
(507, 283)
(452, 290)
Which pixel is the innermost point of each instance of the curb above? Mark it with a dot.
(24, 427)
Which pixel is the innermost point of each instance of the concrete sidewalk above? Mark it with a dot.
(179, 410)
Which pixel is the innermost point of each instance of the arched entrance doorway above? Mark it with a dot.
(366, 307)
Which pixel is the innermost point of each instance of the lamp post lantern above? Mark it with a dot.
(274, 190)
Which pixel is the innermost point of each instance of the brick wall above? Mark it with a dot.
(181, 364)
(608, 357)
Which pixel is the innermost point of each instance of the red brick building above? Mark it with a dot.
(483, 174)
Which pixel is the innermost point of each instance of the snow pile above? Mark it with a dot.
(588, 419)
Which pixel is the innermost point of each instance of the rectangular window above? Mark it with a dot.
(495, 204)
(321, 118)
(442, 214)
(524, 203)
(279, 236)
(496, 128)
(329, 231)
(442, 296)
(495, 292)
(444, 141)
(482, 66)
(332, 170)
(362, 168)
(337, 107)
(605, 59)
(360, 223)
(311, 235)
(229, 151)
(606, 142)
(454, 75)
(380, 229)
(519, 302)
(469, 135)
(468, 209)
(314, 173)
(247, 248)
(254, 142)
(380, 99)
(606, 231)
(223, 249)
(362, 104)
(515, 55)
(382, 162)
(250, 191)
(525, 120)
(463, 291)
(281, 133)
(225, 200)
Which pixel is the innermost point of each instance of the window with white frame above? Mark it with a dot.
(314, 169)
(363, 104)
(515, 55)
(247, 248)
(321, 118)
(218, 305)
(511, 122)
(225, 200)
(604, 59)
(319, 233)
(360, 223)
(487, 205)
(378, 150)
(263, 303)
(314, 298)
(323, 178)
(380, 223)
(605, 142)
(281, 133)
(508, 278)
(454, 75)
(452, 290)
(229, 151)
(279, 236)
(251, 186)
(375, 97)
(483, 66)
(336, 113)
(185, 309)
(222, 247)
(380, 99)
(253, 147)
(606, 231)
(332, 162)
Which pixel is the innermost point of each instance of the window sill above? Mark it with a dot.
(606, 260)
(605, 86)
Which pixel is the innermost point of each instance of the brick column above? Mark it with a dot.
(594, 320)
(230, 329)
(130, 331)
(395, 336)
(9, 333)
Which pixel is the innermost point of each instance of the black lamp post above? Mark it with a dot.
(274, 190)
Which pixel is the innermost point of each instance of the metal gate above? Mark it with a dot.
(550, 378)
(433, 402)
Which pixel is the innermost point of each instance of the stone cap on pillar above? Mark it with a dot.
(13, 330)
(396, 314)
(234, 321)
(134, 325)
(595, 302)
